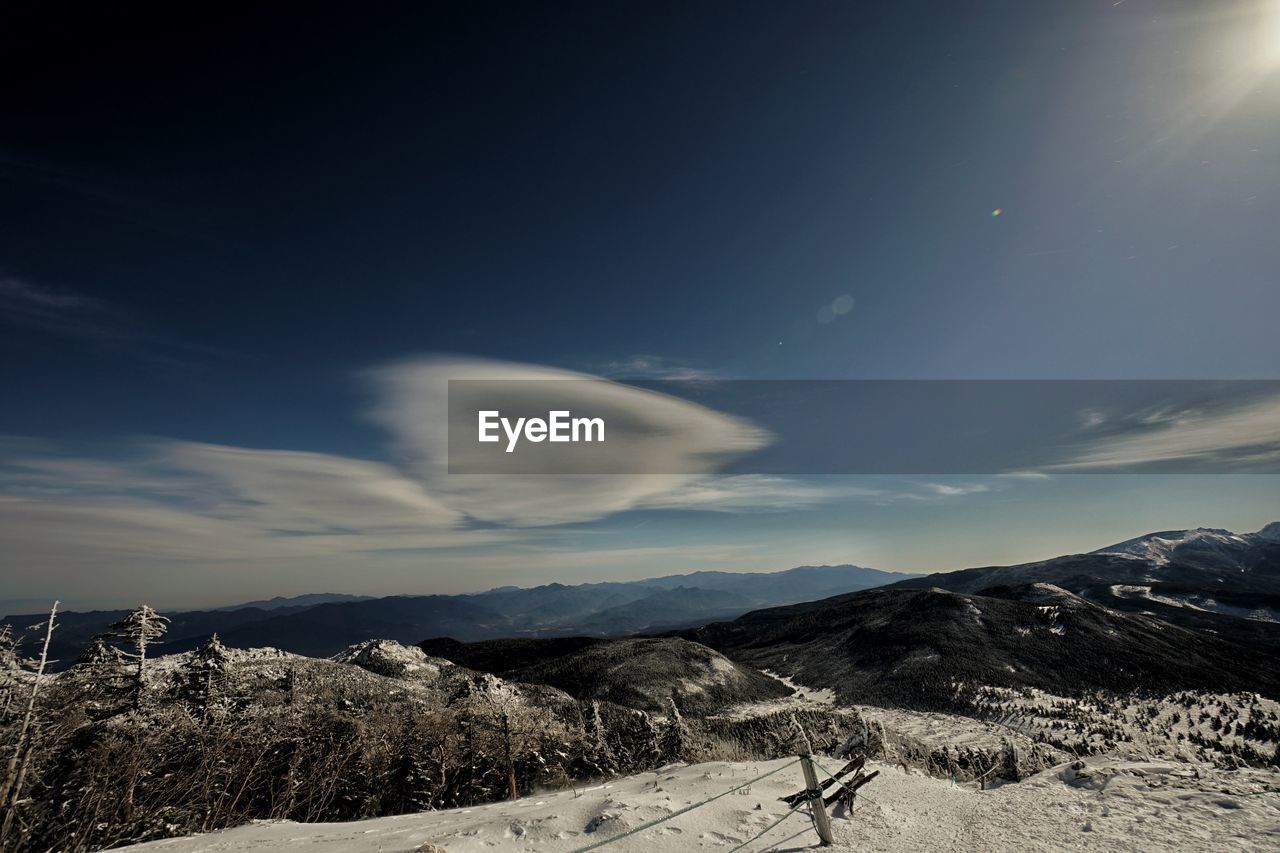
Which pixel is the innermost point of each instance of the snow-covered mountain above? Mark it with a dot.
(1203, 547)
(1207, 579)
(930, 648)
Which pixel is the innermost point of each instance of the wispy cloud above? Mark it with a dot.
(71, 314)
(59, 311)
(950, 490)
(756, 493)
(652, 367)
(1246, 435)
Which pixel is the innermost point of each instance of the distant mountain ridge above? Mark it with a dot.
(305, 600)
(323, 624)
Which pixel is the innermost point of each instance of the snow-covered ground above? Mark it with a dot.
(1103, 803)
(802, 697)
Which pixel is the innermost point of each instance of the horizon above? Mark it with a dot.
(7, 610)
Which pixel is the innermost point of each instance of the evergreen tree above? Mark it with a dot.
(408, 784)
(101, 671)
(672, 736)
(202, 680)
(600, 756)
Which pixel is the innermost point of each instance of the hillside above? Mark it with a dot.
(635, 673)
(933, 648)
(1206, 579)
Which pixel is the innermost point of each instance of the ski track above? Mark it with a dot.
(1111, 804)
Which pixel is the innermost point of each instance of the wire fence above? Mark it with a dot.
(675, 814)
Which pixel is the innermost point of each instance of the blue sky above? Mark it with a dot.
(211, 246)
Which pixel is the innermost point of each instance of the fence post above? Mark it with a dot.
(820, 820)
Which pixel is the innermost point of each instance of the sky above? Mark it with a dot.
(239, 255)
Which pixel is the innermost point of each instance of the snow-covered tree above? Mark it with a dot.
(9, 669)
(202, 679)
(19, 760)
(140, 629)
(672, 736)
(101, 670)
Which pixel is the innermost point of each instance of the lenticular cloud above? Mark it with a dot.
(650, 430)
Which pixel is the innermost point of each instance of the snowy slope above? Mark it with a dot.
(1201, 545)
(1101, 804)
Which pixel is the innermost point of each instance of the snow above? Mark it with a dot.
(387, 657)
(1195, 602)
(1162, 548)
(1102, 803)
(1177, 727)
(802, 697)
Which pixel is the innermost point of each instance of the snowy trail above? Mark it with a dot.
(1112, 805)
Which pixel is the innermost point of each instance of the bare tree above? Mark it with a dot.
(9, 669)
(16, 771)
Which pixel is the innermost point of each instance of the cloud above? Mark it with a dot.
(256, 494)
(652, 367)
(1242, 436)
(1090, 418)
(950, 491)
(755, 493)
(69, 520)
(152, 506)
(298, 492)
(653, 431)
(57, 311)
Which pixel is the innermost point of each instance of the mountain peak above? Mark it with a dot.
(1270, 533)
(1164, 545)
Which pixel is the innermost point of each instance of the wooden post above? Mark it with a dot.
(820, 820)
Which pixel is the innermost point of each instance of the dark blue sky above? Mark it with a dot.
(211, 225)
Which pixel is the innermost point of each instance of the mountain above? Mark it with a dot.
(804, 583)
(327, 628)
(932, 648)
(325, 623)
(296, 601)
(1206, 579)
(642, 673)
(668, 608)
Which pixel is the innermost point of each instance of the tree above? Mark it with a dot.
(100, 673)
(672, 736)
(140, 629)
(503, 707)
(9, 669)
(16, 771)
(202, 679)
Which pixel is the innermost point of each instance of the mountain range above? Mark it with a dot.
(324, 624)
(1198, 608)
(1189, 609)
